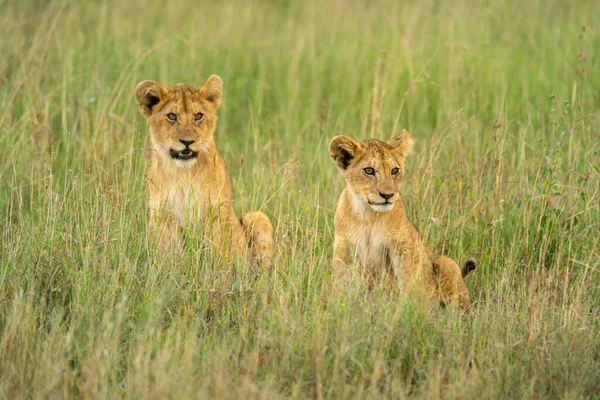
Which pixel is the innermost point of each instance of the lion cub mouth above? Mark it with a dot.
(382, 207)
(186, 154)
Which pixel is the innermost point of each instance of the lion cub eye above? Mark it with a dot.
(369, 171)
(198, 117)
(172, 117)
(395, 171)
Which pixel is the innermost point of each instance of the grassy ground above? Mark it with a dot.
(503, 102)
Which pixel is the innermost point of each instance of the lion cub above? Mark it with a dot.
(371, 226)
(188, 180)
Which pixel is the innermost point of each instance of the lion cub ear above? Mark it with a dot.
(343, 150)
(403, 144)
(147, 95)
(212, 90)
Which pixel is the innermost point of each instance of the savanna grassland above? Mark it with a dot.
(502, 98)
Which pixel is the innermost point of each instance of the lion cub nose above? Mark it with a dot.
(187, 142)
(386, 196)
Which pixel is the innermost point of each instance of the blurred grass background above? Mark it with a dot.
(502, 98)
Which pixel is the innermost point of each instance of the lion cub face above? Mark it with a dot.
(181, 119)
(373, 169)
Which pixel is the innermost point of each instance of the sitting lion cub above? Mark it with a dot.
(188, 180)
(371, 224)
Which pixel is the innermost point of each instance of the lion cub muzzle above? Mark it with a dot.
(387, 201)
(186, 153)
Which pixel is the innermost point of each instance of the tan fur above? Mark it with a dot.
(375, 233)
(195, 191)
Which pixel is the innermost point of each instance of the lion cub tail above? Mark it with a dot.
(259, 235)
(470, 265)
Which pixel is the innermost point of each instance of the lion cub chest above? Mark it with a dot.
(184, 201)
(373, 251)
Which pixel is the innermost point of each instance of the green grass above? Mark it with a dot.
(503, 101)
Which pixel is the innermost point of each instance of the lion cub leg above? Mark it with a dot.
(342, 259)
(412, 269)
(451, 286)
(166, 229)
(259, 235)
